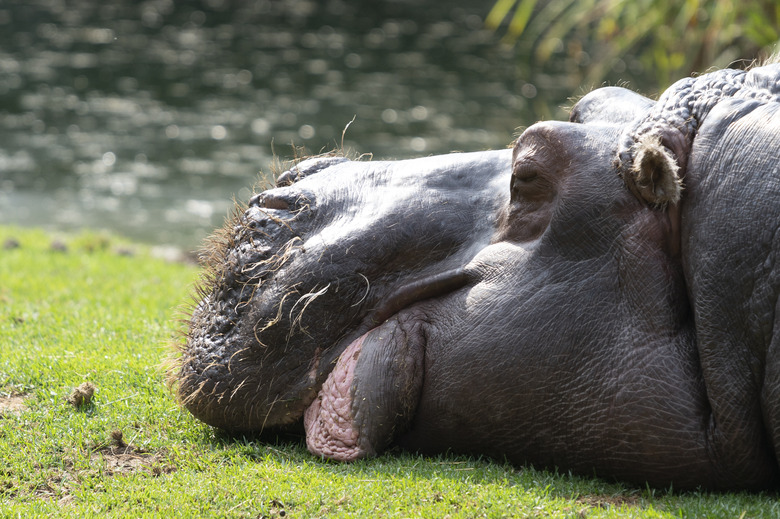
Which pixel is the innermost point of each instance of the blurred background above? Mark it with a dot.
(147, 118)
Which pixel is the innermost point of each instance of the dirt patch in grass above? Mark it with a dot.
(122, 458)
(596, 501)
(116, 459)
(127, 459)
(584, 503)
(12, 405)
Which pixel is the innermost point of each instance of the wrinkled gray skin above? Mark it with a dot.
(566, 303)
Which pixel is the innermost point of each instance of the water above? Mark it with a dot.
(148, 118)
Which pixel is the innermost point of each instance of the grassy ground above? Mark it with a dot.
(92, 309)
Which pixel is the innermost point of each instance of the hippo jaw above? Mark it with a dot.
(289, 285)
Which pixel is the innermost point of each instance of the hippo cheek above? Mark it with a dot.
(371, 394)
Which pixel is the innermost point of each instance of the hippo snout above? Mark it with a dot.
(294, 274)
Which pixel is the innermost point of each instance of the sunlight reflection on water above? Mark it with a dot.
(148, 118)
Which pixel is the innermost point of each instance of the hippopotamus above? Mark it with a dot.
(600, 297)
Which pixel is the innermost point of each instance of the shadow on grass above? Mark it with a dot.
(288, 447)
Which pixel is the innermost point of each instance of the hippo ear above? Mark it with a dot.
(655, 173)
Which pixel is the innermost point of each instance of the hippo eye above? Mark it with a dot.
(525, 171)
(529, 210)
(530, 182)
(525, 177)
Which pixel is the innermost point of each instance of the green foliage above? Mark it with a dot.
(91, 309)
(671, 39)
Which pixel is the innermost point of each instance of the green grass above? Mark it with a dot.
(90, 314)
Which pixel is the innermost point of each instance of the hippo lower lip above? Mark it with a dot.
(330, 421)
(352, 417)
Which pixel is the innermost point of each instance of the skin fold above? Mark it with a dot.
(600, 298)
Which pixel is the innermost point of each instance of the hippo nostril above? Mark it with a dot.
(275, 203)
(272, 214)
(267, 200)
(282, 199)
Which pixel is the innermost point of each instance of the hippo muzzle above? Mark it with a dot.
(304, 269)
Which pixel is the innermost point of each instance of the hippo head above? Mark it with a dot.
(416, 260)
(557, 303)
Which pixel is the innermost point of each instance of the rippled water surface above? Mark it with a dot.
(147, 118)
